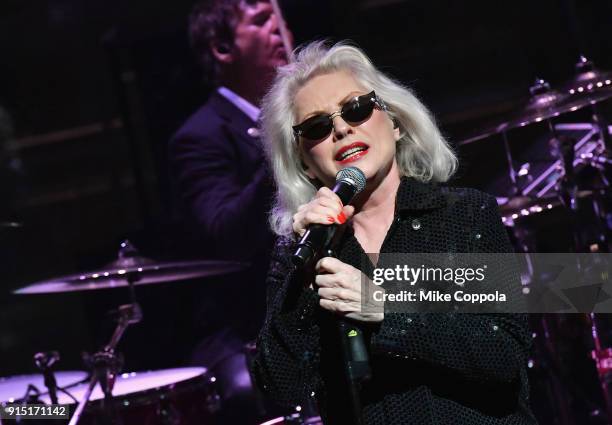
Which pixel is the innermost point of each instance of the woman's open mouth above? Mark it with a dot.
(352, 152)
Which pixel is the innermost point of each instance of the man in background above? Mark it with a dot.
(216, 159)
(219, 173)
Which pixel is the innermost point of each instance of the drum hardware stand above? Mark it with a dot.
(603, 362)
(540, 88)
(44, 362)
(588, 74)
(106, 363)
(514, 190)
(585, 67)
(599, 162)
(563, 148)
(603, 161)
(32, 395)
(602, 125)
(556, 388)
(542, 184)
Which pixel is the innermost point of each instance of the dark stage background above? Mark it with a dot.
(92, 90)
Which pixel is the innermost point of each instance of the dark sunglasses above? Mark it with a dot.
(354, 111)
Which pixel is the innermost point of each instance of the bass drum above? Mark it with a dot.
(14, 389)
(182, 396)
(32, 389)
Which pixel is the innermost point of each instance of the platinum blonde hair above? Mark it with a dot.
(421, 151)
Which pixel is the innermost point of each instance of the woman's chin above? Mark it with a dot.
(360, 163)
(377, 175)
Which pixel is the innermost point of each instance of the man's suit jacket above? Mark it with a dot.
(224, 194)
(221, 179)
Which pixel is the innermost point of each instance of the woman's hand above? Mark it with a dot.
(340, 291)
(325, 208)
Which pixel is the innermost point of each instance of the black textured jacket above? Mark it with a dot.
(427, 368)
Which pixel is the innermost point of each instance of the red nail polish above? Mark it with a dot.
(341, 218)
(331, 219)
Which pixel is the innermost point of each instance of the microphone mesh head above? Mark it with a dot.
(353, 176)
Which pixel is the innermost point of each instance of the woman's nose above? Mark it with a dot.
(341, 127)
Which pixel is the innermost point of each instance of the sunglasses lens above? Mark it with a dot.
(353, 112)
(317, 127)
(357, 110)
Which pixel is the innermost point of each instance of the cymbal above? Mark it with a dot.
(517, 203)
(145, 271)
(587, 78)
(543, 104)
(526, 205)
(141, 270)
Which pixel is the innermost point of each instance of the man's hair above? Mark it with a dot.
(421, 151)
(213, 21)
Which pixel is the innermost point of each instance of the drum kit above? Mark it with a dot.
(561, 201)
(568, 186)
(105, 395)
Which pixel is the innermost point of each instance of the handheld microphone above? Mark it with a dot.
(349, 182)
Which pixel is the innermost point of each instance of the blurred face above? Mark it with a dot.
(368, 144)
(258, 44)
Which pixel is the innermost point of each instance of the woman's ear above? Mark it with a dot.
(305, 167)
(308, 170)
(397, 134)
(310, 174)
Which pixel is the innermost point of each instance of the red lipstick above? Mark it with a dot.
(359, 148)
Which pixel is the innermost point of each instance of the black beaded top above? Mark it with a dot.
(426, 368)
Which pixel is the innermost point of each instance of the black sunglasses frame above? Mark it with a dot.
(301, 129)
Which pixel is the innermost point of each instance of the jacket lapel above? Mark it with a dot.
(415, 195)
(413, 198)
(239, 124)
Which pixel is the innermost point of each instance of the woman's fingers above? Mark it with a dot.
(329, 199)
(326, 280)
(331, 265)
(348, 211)
(325, 208)
(327, 195)
(338, 306)
(339, 287)
(335, 280)
(326, 192)
(316, 214)
(338, 294)
(331, 203)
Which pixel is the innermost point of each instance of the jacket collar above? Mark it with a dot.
(241, 103)
(240, 123)
(413, 194)
(228, 111)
